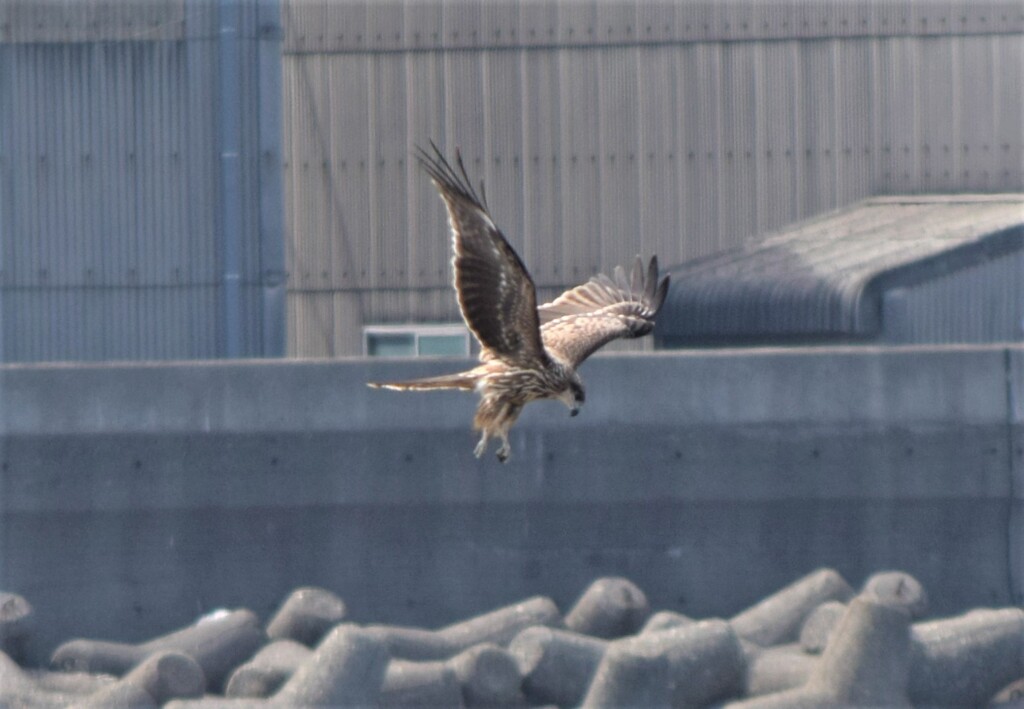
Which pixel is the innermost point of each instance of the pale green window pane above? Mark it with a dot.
(391, 345)
(442, 345)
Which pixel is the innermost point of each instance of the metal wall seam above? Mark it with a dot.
(229, 132)
(272, 266)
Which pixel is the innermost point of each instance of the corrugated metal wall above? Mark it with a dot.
(111, 217)
(605, 129)
(983, 303)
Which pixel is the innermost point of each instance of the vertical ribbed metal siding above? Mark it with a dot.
(109, 212)
(604, 129)
(984, 303)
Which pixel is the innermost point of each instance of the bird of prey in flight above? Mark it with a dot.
(527, 352)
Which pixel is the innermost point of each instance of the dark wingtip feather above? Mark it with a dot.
(449, 179)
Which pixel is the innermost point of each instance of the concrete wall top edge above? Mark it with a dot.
(823, 386)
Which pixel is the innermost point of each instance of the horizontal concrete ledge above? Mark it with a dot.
(829, 385)
(749, 425)
(132, 496)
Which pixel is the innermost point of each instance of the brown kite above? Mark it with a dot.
(527, 352)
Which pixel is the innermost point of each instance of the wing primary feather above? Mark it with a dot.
(583, 319)
(620, 279)
(446, 177)
(496, 295)
(652, 279)
(636, 279)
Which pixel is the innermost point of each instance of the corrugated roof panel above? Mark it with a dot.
(983, 303)
(816, 278)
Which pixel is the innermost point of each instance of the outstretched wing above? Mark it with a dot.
(496, 294)
(587, 317)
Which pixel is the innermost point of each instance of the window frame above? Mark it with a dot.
(418, 330)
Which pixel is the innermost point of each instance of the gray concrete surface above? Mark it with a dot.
(135, 497)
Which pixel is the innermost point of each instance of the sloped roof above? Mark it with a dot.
(825, 276)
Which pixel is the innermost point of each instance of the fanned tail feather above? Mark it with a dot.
(461, 380)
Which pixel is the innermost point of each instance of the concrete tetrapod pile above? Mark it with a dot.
(814, 643)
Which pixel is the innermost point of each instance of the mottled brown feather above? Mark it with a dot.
(496, 295)
(587, 317)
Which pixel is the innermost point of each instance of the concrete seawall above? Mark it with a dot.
(134, 497)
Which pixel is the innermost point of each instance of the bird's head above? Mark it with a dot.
(573, 395)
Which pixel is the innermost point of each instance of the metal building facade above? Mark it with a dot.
(909, 269)
(607, 129)
(141, 212)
